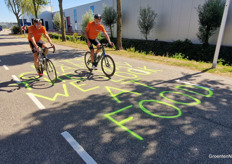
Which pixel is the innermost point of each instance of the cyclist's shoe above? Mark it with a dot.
(94, 67)
(39, 73)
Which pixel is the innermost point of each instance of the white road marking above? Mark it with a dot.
(78, 148)
(36, 101)
(188, 83)
(6, 68)
(16, 79)
(138, 70)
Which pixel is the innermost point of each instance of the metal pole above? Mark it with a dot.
(23, 25)
(51, 5)
(221, 32)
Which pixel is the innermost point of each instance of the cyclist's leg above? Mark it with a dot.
(91, 50)
(98, 45)
(35, 54)
(41, 44)
(36, 59)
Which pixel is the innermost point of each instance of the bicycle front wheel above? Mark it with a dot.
(51, 71)
(108, 66)
(88, 62)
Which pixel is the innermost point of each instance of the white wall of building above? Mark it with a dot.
(176, 20)
(81, 10)
(45, 14)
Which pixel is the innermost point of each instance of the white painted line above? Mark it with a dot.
(36, 101)
(16, 79)
(179, 81)
(205, 87)
(78, 148)
(6, 68)
(138, 70)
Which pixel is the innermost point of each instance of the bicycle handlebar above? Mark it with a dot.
(106, 45)
(54, 48)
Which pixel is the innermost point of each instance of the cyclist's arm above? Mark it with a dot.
(87, 37)
(108, 38)
(49, 39)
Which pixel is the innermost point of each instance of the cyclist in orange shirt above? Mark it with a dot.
(92, 30)
(34, 37)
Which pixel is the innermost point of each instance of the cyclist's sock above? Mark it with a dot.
(94, 63)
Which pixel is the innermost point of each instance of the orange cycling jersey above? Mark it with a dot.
(93, 30)
(36, 33)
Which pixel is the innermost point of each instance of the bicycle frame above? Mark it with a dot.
(43, 56)
(102, 54)
(106, 61)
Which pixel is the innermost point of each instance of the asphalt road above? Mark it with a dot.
(146, 113)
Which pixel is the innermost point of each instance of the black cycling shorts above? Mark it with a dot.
(39, 43)
(93, 41)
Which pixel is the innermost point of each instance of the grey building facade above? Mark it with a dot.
(176, 19)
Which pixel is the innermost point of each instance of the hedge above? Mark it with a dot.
(186, 48)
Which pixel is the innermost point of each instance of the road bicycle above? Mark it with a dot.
(46, 64)
(107, 62)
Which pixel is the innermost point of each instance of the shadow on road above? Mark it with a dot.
(19, 58)
(201, 129)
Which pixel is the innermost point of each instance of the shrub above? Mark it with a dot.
(146, 20)
(210, 16)
(57, 21)
(109, 18)
(86, 18)
(15, 29)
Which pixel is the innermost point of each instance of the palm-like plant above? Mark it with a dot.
(16, 7)
(33, 6)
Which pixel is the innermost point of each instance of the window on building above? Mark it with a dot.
(75, 19)
(92, 9)
(75, 16)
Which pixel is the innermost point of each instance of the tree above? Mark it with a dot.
(15, 7)
(119, 25)
(146, 20)
(109, 17)
(86, 18)
(57, 21)
(62, 21)
(210, 16)
(33, 6)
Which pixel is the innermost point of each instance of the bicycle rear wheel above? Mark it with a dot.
(108, 66)
(88, 61)
(51, 71)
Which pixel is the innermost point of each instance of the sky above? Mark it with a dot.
(7, 16)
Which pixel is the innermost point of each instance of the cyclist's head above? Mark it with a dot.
(37, 20)
(97, 19)
(37, 23)
(97, 16)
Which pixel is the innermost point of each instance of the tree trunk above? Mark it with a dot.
(19, 24)
(119, 25)
(36, 16)
(111, 33)
(62, 21)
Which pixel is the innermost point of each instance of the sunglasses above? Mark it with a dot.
(37, 24)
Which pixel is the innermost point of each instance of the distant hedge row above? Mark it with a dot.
(73, 37)
(186, 48)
